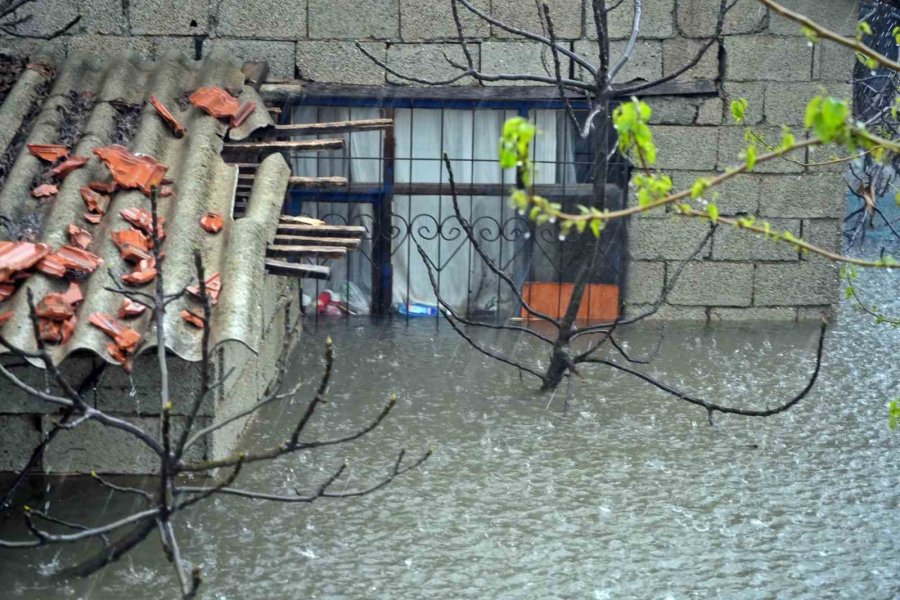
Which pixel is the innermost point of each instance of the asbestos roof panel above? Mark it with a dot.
(202, 182)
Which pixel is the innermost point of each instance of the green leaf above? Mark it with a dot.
(810, 34)
(596, 227)
(750, 157)
(713, 211)
(863, 28)
(893, 414)
(699, 186)
(738, 109)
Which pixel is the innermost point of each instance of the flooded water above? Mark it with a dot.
(626, 494)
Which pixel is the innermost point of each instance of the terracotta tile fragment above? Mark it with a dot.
(243, 112)
(18, 256)
(72, 260)
(78, 237)
(73, 295)
(130, 309)
(54, 307)
(4, 317)
(57, 332)
(124, 336)
(212, 222)
(93, 218)
(193, 319)
(213, 287)
(48, 152)
(143, 220)
(6, 290)
(145, 272)
(133, 237)
(130, 170)
(104, 187)
(45, 190)
(64, 168)
(52, 266)
(216, 102)
(95, 201)
(177, 128)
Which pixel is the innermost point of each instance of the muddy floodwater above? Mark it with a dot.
(627, 493)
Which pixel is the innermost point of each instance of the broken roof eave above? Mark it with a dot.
(203, 182)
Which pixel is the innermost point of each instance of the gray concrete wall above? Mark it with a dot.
(763, 58)
(24, 420)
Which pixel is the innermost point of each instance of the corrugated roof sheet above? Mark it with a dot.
(202, 182)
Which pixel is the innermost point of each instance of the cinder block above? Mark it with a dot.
(685, 148)
(678, 52)
(515, 58)
(711, 283)
(55, 48)
(111, 45)
(752, 313)
(673, 110)
(340, 62)
(433, 20)
(20, 436)
(767, 58)
(427, 61)
(667, 239)
(710, 112)
(815, 313)
(838, 15)
(807, 195)
(753, 93)
(183, 43)
(354, 19)
(269, 19)
(786, 102)
(824, 233)
(566, 15)
(93, 446)
(667, 312)
(279, 55)
(644, 281)
(697, 18)
(656, 21)
(732, 143)
(796, 284)
(730, 243)
(105, 17)
(169, 17)
(833, 62)
(645, 62)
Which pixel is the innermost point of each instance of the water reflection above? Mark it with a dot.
(628, 494)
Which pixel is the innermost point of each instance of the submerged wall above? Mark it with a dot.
(24, 420)
(763, 58)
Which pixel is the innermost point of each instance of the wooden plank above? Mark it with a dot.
(307, 251)
(301, 220)
(246, 180)
(310, 240)
(572, 190)
(288, 269)
(255, 73)
(310, 91)
(323, 128)
(298, 146)
(320, 230)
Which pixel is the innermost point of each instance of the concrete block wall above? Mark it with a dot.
(135, 397)
(763, 58)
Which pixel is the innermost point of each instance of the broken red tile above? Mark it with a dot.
(64, 168)
(73, 295)
(130, 170)
(166, 191)
(54, 308)
(212, 222)
(93, 218)
(78, 237)
(124, 336)
(95, 201)
(6, 290)
(213, 287)
(78, 261)
(133, 237)
(177, 128)
(193, 319)
(48, 152)
(121, 357)
(145, 272)
(243, 112)
(6, 316)
(143, 220)
(18, 256)
(216, 102)
(130, 309)
(45, 190)
(104, 187)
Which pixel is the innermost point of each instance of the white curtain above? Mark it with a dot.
(470, 140)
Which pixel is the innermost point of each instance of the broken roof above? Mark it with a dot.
(90, 103)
